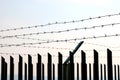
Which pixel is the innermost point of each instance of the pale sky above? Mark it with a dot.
(24, 13)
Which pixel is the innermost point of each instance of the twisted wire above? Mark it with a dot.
(66, 40)
(68, 30)
(65, 22)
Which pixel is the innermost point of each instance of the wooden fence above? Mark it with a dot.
(66, 71)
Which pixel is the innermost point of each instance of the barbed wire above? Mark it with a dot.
(66, 40)
(48, 47)
(65, 22)
(28, 38)
(51, 32)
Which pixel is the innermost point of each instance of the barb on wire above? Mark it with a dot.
(48, 47)
(28, 38)
(68, 30)
(66, 40)
(65, 22)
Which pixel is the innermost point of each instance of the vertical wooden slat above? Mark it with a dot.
(104, 72)
(71, 66)
(115, 72)
(42, 71)
(5, 77)
(39, 68)
(11, 68)
(101, 71)
(25, 78)
(95, 66)
(60, 66)
(49, 67)
(53, 71)
(89, 71)
(20, 68)
(118, 72)
(83, 66)
(30, 68)
(65, 72)
(109, 63)
(2, 68)
(77, 71)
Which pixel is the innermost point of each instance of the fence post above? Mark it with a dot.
(109, 63)
(25, 78)
(104, 72)
(30, 68)
(53, 71)
(11, 68)
(95, 66)
(3, 69)
(89, 71)
(118, 72)
(60, 70)
(20, 69)
(115, 71)
(71, 66)
(42, 71)
(101, 71)
(39, 68)
(49, 67)
(77, 71)
(83, 66)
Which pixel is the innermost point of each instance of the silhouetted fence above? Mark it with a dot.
(66, 71)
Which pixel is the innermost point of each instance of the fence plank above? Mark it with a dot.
(53, 71)
(25, 78)
(95, 66)
(60, 66)
(109, 65)
(5, 77)
(2, 68)
(101, 72)
(39, 67)
(49, 67)
(30, 68)
(71, 66)
(83, 66)
(42, 71)
(77, 71)
(118, 72)
(20, 68)
(104, 72)
(89, 71)
(11, 68)
(115, 72)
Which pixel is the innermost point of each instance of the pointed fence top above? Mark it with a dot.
(74, 51)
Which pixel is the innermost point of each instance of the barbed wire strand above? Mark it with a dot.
(65, 22)
(66, 40)
(51, 32)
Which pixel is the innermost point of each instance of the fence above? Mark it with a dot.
(66, 71)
